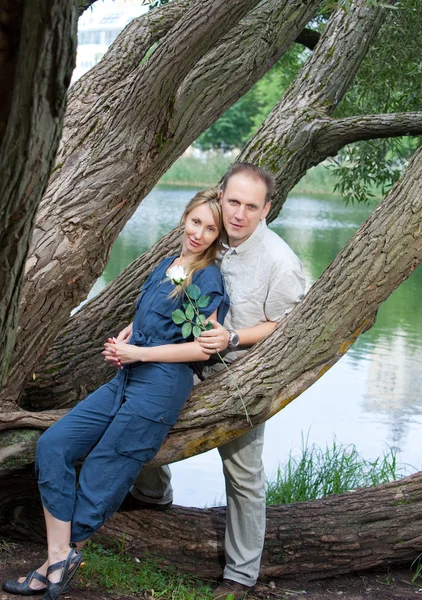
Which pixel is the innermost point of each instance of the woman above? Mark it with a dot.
(123, 423)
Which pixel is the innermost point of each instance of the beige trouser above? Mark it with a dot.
(245, 491)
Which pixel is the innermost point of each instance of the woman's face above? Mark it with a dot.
(200, 230)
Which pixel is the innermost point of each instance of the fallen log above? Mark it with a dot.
(348, 533)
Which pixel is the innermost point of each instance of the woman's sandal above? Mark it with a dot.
(69, 566)
(22, 588)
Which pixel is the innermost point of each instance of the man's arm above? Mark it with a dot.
(285, 291)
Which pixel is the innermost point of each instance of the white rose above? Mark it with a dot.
(177, 274)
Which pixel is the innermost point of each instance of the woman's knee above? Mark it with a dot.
(49, 444)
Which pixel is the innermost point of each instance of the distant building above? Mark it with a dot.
(98, 28)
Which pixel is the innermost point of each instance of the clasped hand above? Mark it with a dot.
(118, 351)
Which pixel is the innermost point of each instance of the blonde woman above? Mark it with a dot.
(122, 424)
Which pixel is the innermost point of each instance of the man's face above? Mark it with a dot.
(243, 204)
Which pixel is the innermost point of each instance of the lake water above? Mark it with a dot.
(371, 398)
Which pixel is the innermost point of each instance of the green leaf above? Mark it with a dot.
(186, 304)
(178, 316)
(193, 291)
(186, 330)
(190, 313)
(204, 301)
(200, 319)
(196, 331)
(208, 326)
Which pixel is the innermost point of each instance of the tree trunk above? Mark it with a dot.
(352, 532)
(122, 134)
(349, 533)
(37, 53)
(74, 363)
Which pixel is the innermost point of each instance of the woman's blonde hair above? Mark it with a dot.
(210, 197)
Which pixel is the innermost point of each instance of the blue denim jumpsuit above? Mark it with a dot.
(123, 423)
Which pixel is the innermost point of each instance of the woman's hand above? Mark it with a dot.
(121, 353)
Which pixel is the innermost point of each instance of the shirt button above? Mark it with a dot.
(162, 419)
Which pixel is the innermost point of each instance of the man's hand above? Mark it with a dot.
(214, 340)
(125, 334)
(121, 353)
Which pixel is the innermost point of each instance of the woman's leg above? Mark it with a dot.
(113, 465)
(57, 451)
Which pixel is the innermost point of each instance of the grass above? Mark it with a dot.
(189, 170)
(318, 472)
(198, 172)
(116, 570)
(416, 566)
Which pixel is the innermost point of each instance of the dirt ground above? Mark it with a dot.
(385, 585)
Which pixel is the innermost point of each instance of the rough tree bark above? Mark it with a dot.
(348, 533)
(294, 137)
(38, 44)
(127, 133)
(352, 532)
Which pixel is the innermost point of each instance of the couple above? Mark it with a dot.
(123, 423)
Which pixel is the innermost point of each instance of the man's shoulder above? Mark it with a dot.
(279, 252)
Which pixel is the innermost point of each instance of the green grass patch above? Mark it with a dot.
(208, 171)
(190, 170)
(316, 473)
(112, 568)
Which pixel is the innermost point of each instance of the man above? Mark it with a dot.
(264, 281)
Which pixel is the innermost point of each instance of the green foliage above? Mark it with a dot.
(317, 473)
(366, 167)
(233, 128)
(243, 119)
(114, 569)
(389, 80)
(155, 3)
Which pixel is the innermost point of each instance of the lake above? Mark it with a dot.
(371, 398)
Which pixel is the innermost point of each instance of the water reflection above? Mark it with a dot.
(371, 398)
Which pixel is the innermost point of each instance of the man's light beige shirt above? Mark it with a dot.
(263, 278)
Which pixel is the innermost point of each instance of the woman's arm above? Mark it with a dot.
(122, 353)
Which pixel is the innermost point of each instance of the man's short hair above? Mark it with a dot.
(254, 172)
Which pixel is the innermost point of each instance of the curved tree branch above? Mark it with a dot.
(337, 133)
(293, 124)
(121, 59)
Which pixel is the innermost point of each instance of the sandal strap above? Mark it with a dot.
(64, 564)
(56, 566)
(35, 575)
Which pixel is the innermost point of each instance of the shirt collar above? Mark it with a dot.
(250, 244)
